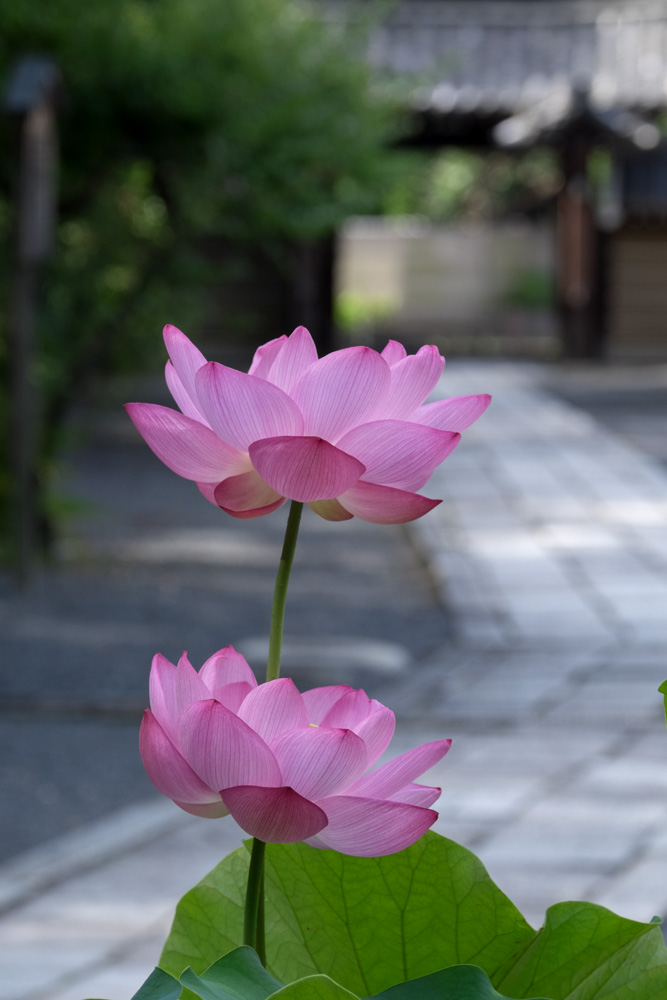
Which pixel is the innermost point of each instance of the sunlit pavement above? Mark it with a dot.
(550, 550)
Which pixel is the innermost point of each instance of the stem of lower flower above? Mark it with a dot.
(253, 917)
(280, 590)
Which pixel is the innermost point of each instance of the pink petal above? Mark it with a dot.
(417, 795)
(412, 379)
(207, 490)
(245, 492)
(185, 404)
(319, 700)
(232, 696)
(391, 777)
(265, 356)
(167, 769)
(384, 504)
(207, 810)
(243, 408)
(187, 447)
(223, 750)
(398, 453)
(318, 762)
(330, 510)
(227, 666)
(305, 468)
(274, 708)
(340, 391)
(171, 689)
(393, 353)
(245, 515)
(376, 731)
(453, 414)
(274, 815)
(293, 359)
(371, 828)
(185, 357)
(349, 710)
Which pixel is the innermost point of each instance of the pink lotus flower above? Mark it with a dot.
(287, 766)
(347, 434)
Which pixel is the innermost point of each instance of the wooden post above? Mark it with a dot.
(30, 98)
(313, 290)
(577, 258)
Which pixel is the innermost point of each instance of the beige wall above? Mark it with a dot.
(429, 273)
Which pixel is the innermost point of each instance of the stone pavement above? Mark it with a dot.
(551, 549)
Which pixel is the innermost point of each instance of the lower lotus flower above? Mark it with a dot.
(287, 766)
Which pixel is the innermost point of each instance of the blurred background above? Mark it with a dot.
(488, 175)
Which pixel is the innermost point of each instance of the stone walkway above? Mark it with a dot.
(551, 549)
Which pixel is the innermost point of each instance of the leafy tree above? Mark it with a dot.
(190, 126)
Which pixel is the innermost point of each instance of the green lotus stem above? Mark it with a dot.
(280, 591)
(253, 916)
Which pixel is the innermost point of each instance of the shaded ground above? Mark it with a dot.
(631, 400)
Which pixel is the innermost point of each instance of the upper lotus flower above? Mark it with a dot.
(347, 434)
(287, 766)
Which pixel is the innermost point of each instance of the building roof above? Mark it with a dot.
(488, 59)
(506, 54)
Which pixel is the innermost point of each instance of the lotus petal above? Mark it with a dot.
(265, 356)
(412, 379)
(305, 468)
(453, 414)
(223, 750)
(319, 700)
(245, 493)
(384, 504)
(187, 447)
(227, 666)
(185, 357)
(402, 770)
(330, 510)
(340, 391)
(173, 688)
(398, 453)
(207, 810)
(243, 408)
(351, 709)
(167, 769)
(417, 795)
(376, 731)
(274, 708)
(293, 359)
(274, 815)
(393, 353)
(185, 403)
(371, 828)
(318, 762)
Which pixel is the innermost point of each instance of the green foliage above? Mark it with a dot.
(237, 976)
(369, 923)
(372, 923)
(459, 184)
(240, 976)
(533, 288)
(663, 691)
(458, 982)
(192, 132)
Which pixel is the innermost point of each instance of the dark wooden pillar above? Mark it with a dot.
(30, 98)
(579, 273)
(314, 290)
